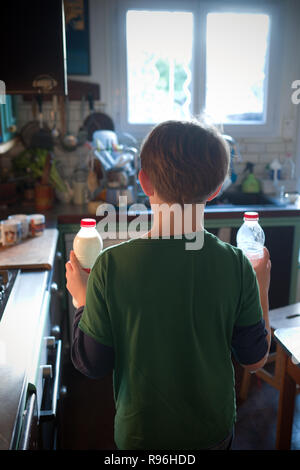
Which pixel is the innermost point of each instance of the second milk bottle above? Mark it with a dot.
(251, 238)
(87, 245)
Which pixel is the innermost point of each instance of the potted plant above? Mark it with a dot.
(37, 170)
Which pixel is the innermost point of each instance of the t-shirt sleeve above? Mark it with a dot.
(249, 343)
(95, 320)
(250, 311)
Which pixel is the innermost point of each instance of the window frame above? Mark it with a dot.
(200, 9)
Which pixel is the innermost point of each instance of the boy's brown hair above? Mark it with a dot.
(185, 161)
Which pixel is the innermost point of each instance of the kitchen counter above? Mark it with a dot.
(280, 223)
(72, 213)
(17, 331)
(18, 337)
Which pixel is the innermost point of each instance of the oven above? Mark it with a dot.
(39, 425)
(30, 375)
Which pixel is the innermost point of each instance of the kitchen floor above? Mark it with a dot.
(88, 409)
(257, 417)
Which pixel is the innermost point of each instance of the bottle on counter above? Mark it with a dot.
(250, 184)
(87, 245)
(288, 168)
(251, 238)
(36, 224)
(275, 167)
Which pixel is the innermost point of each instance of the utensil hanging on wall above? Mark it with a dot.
(69, 141)
(31, 128)
(42, 138)
(96, 121)
(82, 133)
(55, 131)
(92, 179)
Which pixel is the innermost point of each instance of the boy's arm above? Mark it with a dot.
(89, 356)
(253, 342)
(250, 346)
(263, 276)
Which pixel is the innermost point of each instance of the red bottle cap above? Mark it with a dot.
(251, 216)
(87, 223)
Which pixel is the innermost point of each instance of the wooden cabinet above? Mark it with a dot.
(33, 45)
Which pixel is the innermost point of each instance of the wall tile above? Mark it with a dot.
(276, 147)
(256, 148)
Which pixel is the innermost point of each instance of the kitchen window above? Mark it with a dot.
(158, 65)
(210, 58)
(237, 54)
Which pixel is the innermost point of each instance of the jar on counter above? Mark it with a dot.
(10, 232)
(36, 224)
(24, 223)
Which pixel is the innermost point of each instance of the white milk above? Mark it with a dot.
(87, 245)
(87, 249)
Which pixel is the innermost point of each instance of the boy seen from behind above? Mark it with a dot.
(166, 319)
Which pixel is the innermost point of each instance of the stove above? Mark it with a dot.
(7, 280)
(30, 363)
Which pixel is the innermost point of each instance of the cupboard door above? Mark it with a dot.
(279, 241)
(33, 40)
(8, 120)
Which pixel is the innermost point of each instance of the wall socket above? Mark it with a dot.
(288, 129)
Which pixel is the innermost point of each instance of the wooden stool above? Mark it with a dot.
(283, 317)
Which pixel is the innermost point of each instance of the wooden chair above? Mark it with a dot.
(283, 317)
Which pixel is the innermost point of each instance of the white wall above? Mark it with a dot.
(99, 49)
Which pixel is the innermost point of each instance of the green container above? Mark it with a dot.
(251, 184)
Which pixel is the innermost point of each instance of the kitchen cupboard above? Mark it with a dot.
(283, 242)
(33, 47)
(279, 241)
(7, 120)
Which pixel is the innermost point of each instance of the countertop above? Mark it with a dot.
(18, 327)
(72, 213)
(289, 338)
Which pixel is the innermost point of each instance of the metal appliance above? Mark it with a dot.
(30, 361)
(7, 279)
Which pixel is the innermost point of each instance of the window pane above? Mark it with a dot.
(236, 64)
(159, 53)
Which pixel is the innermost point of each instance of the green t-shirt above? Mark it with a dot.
(169, 314)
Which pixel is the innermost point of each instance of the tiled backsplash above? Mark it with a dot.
(262, 153)
(24, 113)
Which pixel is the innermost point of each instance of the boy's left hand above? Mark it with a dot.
(77, 280)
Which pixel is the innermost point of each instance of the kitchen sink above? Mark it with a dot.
(238, 198)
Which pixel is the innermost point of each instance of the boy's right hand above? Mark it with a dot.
(263, 272)
(76, 280)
